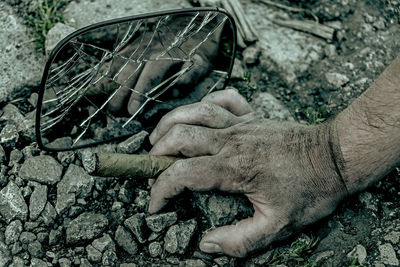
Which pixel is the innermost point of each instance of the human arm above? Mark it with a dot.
(292, 174)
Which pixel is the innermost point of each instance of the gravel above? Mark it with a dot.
(137, 225)
(178, 236)
(37, 201)
(42, 169)
(12, 204)
(133, 143)
(155, 249)
(85, 227)
(124, 239)
(158, 222)
(388, 255)
(13, 231)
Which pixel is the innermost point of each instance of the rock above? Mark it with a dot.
(12, 115)
(251, 54)
(103, 243)
(49, 214)
(13, 231)
(178, 236)
(133, 143)
(336, 80)
(221, 209)
(125, 193)
(369, 201)
(142, 199)
(96, 11)
(237, 70)
(93, 254)
(195, 263)
(56, 34)
(136, 224)
(159, 222)
(16, 248)
(18, 53)
(392, 237)
(85, 263)
(43, 169)
(9, 135)
(15, 157)
(17, 262)
(5, 256)
(12, 204)
(2, 155)
(85, 227)
(128, 265)
(388, 255)
(33, 99)
(358, 252)
(35, 249)
(225, 261)
(267, 106)
(35, 262)
(64, 262)
(321, 257)
(37, 201)
(155, 249)
(75, 183)
(125, 240)
(42, 237)
(27, 237)
(55, 236)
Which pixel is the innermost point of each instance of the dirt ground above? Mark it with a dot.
(363, 231)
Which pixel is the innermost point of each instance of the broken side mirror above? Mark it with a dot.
(108, 80)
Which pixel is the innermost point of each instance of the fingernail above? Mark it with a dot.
(210, 248)
(152, 136)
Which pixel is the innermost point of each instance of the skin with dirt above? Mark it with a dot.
(365, 43)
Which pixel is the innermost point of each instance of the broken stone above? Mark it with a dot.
(125, 193)
(12, 204)
(37, 201)
(142, 199)
(64, 202)
(49, 214)
(155, 249)
(5, 256)
(178, 236)
(64, 262)
(43, 169)
(251, 54)
(16, 248)
(159, 222)
(15, 157)
(388, 255)
(85, 227)
(358, 252)
(3, 176)
(56, 34)
(103, 243)
(195, 263)
(9, 135)
(35, 249)
(336, 80)
(125, 240)
(237, 70)
(13, 231)
(93, 254)
(133, 143)
(369, 201)
(109, 257)
(85, 263)
(27, 237)
(392, 237)
(267, 106)
(2, 155)
(55, 236)
(136, 224)
(35, 262)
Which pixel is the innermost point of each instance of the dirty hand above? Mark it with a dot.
(287, 170)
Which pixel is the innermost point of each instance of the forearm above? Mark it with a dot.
(368, 131)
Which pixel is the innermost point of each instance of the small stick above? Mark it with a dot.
(289, 8)
(312, 27)
(125, 165)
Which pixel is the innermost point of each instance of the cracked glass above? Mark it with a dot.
(114, 80)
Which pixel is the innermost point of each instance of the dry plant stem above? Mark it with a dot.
(309, 27)
(128, 166)
(245, 28)
(289, 8)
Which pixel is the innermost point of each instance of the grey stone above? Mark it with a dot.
(96, 11)
(12, 204)
(2, 155)
(155, 249)
(13, 231)
(237, 70)
(33, 99)
(388, 255)
(64, 262)
(85, 263)
(16, 248)
(75, 183)
(251, 54)
(195, 263)
(43, 169)
(3, 176)
(133, 143)
(35, 262)
(369, 201)
(358, 252)
(49, 214)
(128, 265)
(5, 256)
(56, 34)
(393, 237)
(321, 257)
(37, 201)
(142, 199)
(12, 115)
(109, 258)
(103, 243)
(15, 157)
(159, 222)
(42, 237)
(93, 254)
(55, 236)
(35, 249)
(178, 236)
(85, 227)
(125, 193)
(267, 106)
(223, 261)
(136, 224)
(17, 262)
(337, 80)
(18, 53)
(9, 135)
(27, 237)
(125, 240)
(30, 226)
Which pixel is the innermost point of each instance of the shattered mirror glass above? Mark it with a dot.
(110, 80)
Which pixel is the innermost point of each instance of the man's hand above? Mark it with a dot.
(288, 171)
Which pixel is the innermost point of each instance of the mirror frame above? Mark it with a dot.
(83, 30)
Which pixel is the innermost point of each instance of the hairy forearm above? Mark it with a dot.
(369, 131)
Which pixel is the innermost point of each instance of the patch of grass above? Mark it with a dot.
(43, 17)
(248, 89)
(297, 254)
(315, 116)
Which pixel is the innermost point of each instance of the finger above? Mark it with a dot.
(238, 240)
(198, 68)
(152, 75)
(189, 141)
(231, 100)
(202, 113)
(195, 174)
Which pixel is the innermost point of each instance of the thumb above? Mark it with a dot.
(238, 240)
